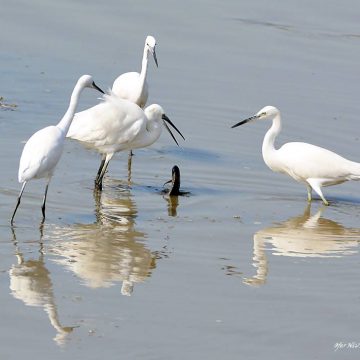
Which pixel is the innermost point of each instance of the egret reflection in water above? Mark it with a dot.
(109, 250)
(30, 282)
(305, 235)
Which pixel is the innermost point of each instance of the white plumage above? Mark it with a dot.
(309, 164)
(43, 150)
(116, 125)
(133, 86)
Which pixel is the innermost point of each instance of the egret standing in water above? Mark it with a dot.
(309, 164)
(116, 125)
(133, 86)
(43, 150)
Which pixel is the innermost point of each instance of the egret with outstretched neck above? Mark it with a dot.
(43, 150)
(311, 165)
(133, 86)
(117, 125)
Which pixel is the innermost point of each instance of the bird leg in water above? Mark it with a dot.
(131, 154)
(100, 167)
(18, 202)
(44, 201)
(103, 166)
(309, 191)
(317, 188)
(98, 179)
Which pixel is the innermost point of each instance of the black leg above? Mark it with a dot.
(44, 201)
(102, 170)
(18, 202)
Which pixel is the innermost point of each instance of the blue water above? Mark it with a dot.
(240, 268)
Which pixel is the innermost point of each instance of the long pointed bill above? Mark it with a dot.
(167, 120)
(154, 56)
(246, 121)
(96, 87)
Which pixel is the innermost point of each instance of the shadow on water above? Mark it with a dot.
(30, 282)
(297, 30)
(302, 236)
(109, 250)
(192, 154)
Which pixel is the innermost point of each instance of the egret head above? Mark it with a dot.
(155, 112)
(150, 44)
(87, 81)
(267, 112)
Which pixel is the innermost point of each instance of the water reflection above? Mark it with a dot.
(173, 202)
(30, 282)
(111, 249)
(305, 235)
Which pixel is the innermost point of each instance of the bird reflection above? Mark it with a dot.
(30, 282)
(111, 249)
(305, 235)
(173, 202)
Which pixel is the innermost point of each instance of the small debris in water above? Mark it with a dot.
(6, 106)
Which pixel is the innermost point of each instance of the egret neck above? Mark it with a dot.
(268, 146)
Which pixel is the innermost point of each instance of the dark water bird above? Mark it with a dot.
(175, 183)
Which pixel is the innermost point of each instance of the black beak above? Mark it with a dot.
(167, 120)
(155, 58)
(96, 87)
(246, 121)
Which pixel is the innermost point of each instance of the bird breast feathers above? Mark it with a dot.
(41, 153)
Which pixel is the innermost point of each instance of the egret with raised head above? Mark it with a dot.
(133, 86)
(43, 150)
(311, 165)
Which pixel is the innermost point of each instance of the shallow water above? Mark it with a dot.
(240, 268)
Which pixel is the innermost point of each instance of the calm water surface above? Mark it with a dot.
(240, 268)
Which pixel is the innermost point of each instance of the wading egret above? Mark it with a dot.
(116, 125)
(130, 86)
(133, 86)
(43, 150)
(308, 164)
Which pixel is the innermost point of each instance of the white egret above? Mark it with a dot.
(308, 164)
(43, 150)
(133, 85)
(116, 125)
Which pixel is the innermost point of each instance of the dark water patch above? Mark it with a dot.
(279, 26)
(191, 154)
(308, 32)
